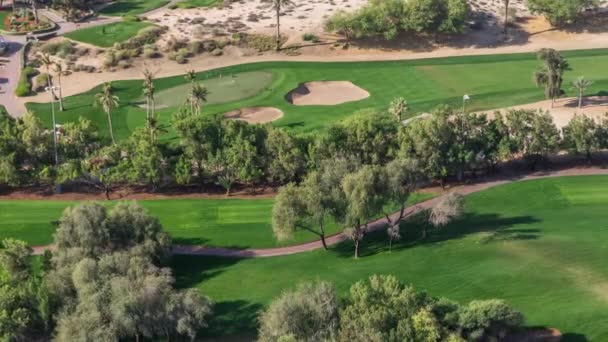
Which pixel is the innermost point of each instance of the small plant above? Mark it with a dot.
(309, 37)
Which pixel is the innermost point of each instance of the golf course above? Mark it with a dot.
(538, 244)
(492, 81)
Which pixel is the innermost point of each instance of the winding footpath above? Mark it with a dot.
(375, 225)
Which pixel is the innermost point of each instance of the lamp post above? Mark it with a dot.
(51, 90)
(465, 98)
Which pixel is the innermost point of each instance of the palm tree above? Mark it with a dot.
(59, 71)
(507, 3)
(277, 5)
(148, 92)
(34, 10)
(550, 74)
(108, 101)
(581, 84)
(198, 95)
(398, 107)
(45, 59)
(191, 77)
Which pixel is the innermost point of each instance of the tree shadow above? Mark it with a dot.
(234, 317)
(190, 270)
(412, 231)
(573, 337)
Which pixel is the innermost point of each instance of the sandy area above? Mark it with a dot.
(253, 16)
(255, 115)
(326, 93)
(564, 110)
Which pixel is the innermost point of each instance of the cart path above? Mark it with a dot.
(373, 225)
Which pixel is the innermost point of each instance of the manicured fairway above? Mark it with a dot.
(492, 81)
(236, 223)
(542, 245)
(107, 35)
(132, 7)
(225, 89)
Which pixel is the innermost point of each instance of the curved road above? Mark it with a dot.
(373, 225)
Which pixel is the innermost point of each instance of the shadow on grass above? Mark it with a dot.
(412, 232)
(574, 337)
(190, 270)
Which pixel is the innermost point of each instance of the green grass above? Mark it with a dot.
(541, 245)
(107, 35)
(492, 81)
(197, 3)
(221, 90)
(236, 223)
(132, 7)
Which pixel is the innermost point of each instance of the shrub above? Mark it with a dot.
(150, 51)
(110, 59)
(24, 86)
(217, 52)
(61, 48)
(309, 37)
(42, 81)
(131, 18)
(196, 47)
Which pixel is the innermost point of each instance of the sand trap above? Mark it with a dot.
(255, 115)
(594, 107)
(327, 93)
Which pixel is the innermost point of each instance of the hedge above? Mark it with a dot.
(24, 87)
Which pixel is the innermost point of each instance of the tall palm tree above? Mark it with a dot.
(198, 95)
(47, 62)
(506, 23)
(34, 10)
(581, 84)
(108, 101)
(191, 77)
(277, 5)
(550, 74)
(398, 107)
(148, 92)
(59, 70)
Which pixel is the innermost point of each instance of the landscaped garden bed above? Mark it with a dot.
(23, 20)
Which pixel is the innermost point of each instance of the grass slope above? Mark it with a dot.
(197, 3)
(236, 223)
(107, 35)
(492, 81)
(132, 7)
(540, 244)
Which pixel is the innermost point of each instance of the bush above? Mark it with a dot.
(60, 48)
(131, 18)
(150, 51)
(42, 80)
(309, 37)
(196, 47)
(110, 59)
(180, 59)
(147, 35)
(24, 86)
(217, 52)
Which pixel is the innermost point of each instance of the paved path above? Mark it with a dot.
(375, 225)
(9, 75)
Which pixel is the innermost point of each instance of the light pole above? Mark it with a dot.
(51, 90)
(465, 98)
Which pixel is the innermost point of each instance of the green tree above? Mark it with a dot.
(561, 12)
(148, 90)
(107, 101)
(488, 320)
(550, 74)
(582, 135)
(277, 6)
(581, 84)
(308, 313)
(364, 199)
(198, 95)
(286, 156)
(344, 23)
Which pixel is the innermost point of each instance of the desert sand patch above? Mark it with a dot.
(255, 115)
(564, 110)
(326, 93)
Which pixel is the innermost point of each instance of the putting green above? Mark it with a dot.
(224, 89)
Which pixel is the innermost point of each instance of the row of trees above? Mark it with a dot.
(214, 151)
(561, 12)
(382, 309)
(106, 280)
(387, 19)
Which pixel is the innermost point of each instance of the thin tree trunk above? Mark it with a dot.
(357, 248)
(35, 10)
(580, 98)
(61, 108)
(278, 27)
(506, 19)
(322, 235)
(111, 129)
(107, 192)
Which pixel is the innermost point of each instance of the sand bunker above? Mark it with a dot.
(326, 93)
(564, 109)
(254, 115)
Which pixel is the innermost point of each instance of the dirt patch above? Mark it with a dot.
(326, 93)
(564, 110)
(536, 335)
(255, 115)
